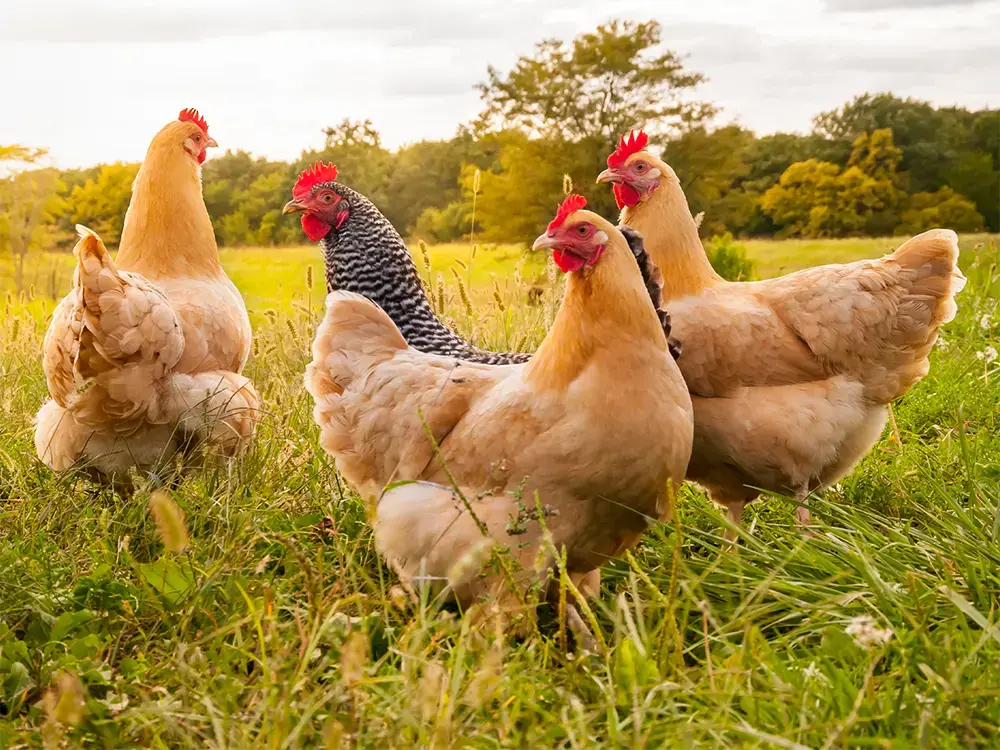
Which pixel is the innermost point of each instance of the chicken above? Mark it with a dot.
(790, 377)
(598, 423)
(363, 253)
(144, 356)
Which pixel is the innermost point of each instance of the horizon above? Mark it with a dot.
(412, 70)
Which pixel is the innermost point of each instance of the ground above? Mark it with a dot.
(277, 626)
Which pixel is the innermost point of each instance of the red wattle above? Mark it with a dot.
(626, 195)
(567, 262)
(315, 229)
(201, 156)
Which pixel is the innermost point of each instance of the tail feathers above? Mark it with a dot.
(934, 257)
(931, 281)
(129, 341)
(355, 335)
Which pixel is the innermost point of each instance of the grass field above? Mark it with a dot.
(278, 627)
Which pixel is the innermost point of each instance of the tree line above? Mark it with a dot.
(877, 165)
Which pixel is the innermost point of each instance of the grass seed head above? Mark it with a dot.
(170, 522)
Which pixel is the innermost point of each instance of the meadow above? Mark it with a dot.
(266, 620)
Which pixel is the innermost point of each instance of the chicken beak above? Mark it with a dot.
(544, 242)
(211, 143)
(610, 175)
(293, 206)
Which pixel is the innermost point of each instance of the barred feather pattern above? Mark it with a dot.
(653, 280)
(367, 256)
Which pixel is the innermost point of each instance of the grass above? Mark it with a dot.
(278, 626)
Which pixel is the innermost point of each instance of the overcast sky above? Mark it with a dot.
(94, 79)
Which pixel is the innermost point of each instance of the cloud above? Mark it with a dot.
(406, 22)
(849, 6)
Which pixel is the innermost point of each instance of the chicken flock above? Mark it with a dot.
(654, 371)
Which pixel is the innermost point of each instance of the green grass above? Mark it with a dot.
(278, 626)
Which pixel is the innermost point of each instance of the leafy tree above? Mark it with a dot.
(425, 177)
(518, 199)
(597, 86)
(29, 207)
(928, 137)
(943, 208)
(101, 202)
(975, 175)
(708, 162)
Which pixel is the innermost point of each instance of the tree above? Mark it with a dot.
(597, 86)
(930, 138)
(943, 208)
(707, 161)
(101, 202)
(519, 198)
(29, 206)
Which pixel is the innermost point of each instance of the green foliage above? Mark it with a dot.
(729, 258)
(444, 224)
(943, 208)
(597, 86)
(101, 201)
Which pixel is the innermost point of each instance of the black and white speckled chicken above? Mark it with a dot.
(364, 254)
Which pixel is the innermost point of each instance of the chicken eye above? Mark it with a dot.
(327, 198)
(197, 139)
(582, 229)
(640, 166)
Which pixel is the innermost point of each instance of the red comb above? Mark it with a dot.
(312, 176)
(626, 148)
(571, 204)
(191, 115)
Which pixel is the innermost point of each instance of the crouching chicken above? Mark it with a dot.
(118, 401)
(143, 356)
(598, 423)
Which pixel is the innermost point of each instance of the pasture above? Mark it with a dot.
(277, 626)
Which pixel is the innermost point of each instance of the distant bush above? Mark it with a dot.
(729, 258)
(443, 224)
(942, 208)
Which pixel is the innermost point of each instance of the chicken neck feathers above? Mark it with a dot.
(368, 257)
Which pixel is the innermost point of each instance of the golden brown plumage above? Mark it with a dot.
(790, 377)
(598, 423)
(145, 354)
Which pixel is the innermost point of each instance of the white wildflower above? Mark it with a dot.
(988, 354)
(866, 633)
(812, 673)
(924, 700)
(986, 322)
(942, 344)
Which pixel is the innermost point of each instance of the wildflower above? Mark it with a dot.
(988, 354)
(986, 322)
(866, 633)
(942, 344)
(812, 673)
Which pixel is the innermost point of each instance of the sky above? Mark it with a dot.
(93, 80)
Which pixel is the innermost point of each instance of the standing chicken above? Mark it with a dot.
(598, 422)
(790, 377)
(144, 355)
